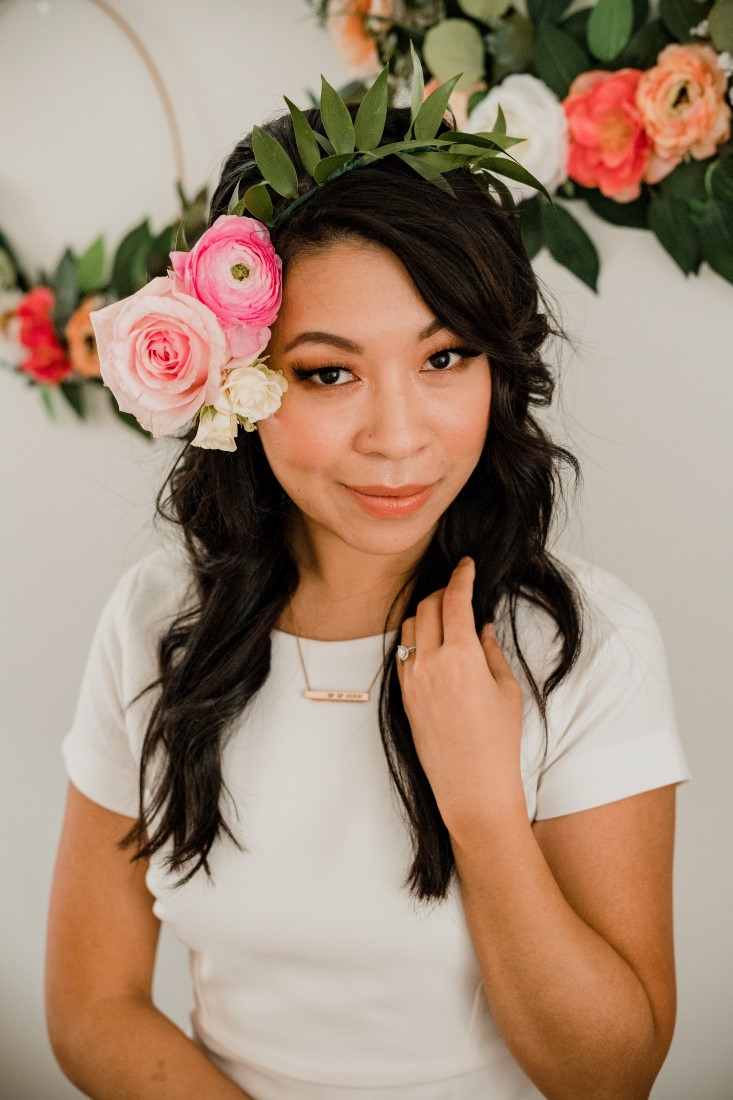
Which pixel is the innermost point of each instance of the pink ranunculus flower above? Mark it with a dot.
(609, 148)
(235, 271)
(683, 108)
(162, 354)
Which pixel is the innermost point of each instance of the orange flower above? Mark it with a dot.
(81, 341)
(609, 148)
(353, 25)
(682, 104)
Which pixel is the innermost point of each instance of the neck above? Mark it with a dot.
(344, 592)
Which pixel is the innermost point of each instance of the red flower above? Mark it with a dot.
(47, 361)
(609, 147)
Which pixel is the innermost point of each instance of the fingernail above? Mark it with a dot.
(465, 559)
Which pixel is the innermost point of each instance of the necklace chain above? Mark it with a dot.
(363, 696)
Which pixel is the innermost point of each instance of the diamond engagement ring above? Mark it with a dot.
(404, 651)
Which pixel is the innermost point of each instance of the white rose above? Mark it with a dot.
(533, 112)
(252, 392)
(12, 352)
(217, 429)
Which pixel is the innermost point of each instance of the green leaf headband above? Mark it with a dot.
(353, 143)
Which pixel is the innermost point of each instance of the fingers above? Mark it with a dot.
(458, 621)
(499, 667)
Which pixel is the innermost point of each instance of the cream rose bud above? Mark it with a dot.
(532, 112)
(252, 392)
(217, 430)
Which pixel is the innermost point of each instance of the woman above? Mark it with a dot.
(450, 883)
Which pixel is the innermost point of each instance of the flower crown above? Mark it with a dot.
(190, 344)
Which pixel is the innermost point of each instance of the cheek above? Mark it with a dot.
(295, 439)
(466, 422)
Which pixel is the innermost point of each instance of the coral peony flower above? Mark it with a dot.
(532, 112)
(162, 354)
(234, 270)
(47, 362)
(353, 24)
(609, 147)
(683, 108)
(82, 346)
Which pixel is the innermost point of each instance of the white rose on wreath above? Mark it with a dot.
(534, 112)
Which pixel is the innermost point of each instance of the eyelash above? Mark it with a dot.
(306, 373)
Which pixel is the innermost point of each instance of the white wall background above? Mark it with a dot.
(644, 404)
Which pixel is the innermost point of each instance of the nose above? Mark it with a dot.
(394, 421)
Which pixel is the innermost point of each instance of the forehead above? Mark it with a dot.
(351, 287)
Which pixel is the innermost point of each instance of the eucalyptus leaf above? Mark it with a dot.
(569, 244)
(329, 165)
(529, 224)
(274, 163)
(158, 257)
(136, 241)
(257, 200)
(337, 121)
(432, 111)
(559, 58)
(47, 400)
(721, 25)
(716, 238)
(372, 113)
(74, 394)
(308, 147)
(484, 10)
(455, 45)
(418, 86)
(609, 27)
(719, 182)
(66, 290)
(546, 10)
(670, 222)
(632, 214)
(90, 268)
(503, 166)
(234, 201)
(680, 16)
(426, 171)
(644, 46)
(324, 143)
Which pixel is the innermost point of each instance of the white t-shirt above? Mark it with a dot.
(316, 976)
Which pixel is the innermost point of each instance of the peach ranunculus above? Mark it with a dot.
(80, 339)
(46, 361)
(609, 148)
(162, 353)
(353, 24)
(682, 105)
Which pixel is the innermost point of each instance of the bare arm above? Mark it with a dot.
(571, 920)
(107, 1035)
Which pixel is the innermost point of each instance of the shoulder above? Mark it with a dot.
(616, 622)
(152, 592)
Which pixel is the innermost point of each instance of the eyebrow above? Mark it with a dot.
(348, 345)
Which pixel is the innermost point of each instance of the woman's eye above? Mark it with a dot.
(327, 376)
(441, 359)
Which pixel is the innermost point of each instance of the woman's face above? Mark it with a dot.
(397, 400)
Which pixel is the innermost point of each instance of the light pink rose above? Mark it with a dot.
(161, 353)
(235, 271)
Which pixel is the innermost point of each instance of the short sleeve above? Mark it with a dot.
(96, 749)
(614, 731)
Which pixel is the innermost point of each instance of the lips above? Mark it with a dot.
(390, 490)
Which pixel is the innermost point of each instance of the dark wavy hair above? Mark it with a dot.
(464, 253)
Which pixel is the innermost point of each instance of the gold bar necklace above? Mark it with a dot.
(331, 696)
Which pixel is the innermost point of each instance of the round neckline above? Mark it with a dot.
(334, 641)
